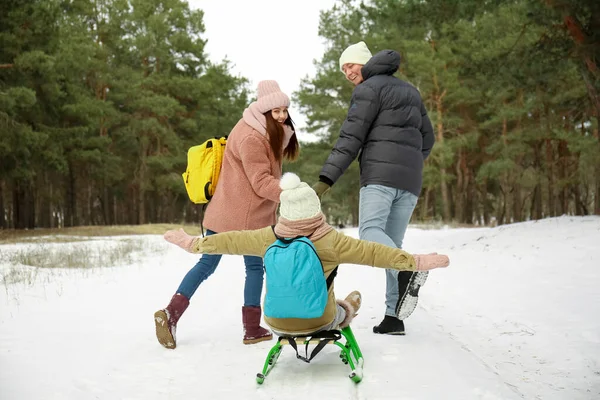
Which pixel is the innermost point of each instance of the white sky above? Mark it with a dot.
(266, 39)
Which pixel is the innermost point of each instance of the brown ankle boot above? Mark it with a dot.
(166, 320)
(351, 304)
(355, 300)
(253, 332)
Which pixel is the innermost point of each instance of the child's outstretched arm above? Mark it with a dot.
(355, 251)
(249, 243)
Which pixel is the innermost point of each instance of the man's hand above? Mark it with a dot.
(321, 188)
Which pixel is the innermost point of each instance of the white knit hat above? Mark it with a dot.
(357, 53)
(298, 200)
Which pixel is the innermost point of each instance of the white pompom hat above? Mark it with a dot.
(298, 200)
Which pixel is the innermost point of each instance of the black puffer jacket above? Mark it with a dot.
(388, 124)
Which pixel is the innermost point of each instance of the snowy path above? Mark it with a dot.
(515, 316)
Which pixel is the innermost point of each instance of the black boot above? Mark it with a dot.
(409, 284)
(390, 326)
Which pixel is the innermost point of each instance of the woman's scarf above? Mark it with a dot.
(257, 121)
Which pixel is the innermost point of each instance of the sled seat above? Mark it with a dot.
(350, 351)
(299, 339)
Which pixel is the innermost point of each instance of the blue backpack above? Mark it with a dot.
(296, 285)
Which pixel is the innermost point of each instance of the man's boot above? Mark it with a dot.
(390, 326)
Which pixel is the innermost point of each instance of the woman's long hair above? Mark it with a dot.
(275, 132)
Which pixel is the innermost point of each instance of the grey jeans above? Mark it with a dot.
(383, 215)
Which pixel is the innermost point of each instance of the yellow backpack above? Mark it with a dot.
(203, 168)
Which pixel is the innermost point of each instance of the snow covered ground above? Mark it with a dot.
(516, 315)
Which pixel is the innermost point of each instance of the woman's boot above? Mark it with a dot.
(166, 320)
(253, 332)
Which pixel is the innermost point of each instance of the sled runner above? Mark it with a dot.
(350, 352)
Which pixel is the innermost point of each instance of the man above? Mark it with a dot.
(388, 125)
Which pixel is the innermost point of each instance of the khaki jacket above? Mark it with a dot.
(333, 249)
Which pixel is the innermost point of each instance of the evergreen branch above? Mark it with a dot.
(515, 43)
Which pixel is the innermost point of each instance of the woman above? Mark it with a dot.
(246, 197)
(300, 215)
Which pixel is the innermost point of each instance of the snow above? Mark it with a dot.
(516, 315)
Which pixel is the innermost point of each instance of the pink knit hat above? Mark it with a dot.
(270, 96)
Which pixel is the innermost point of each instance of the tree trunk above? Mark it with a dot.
(564, 163)
(580, 206)
(142, 177)
(51, 204)
(71, 200)
(596, 204)
(506, 180)
(106, 207)
(517, 203)
(425, 205)
(536, 203)
(87, 219)
(45, 201)
(501, 207)
(590, 73)
(116, 219)
(459, 198)
(470, 198)
(18, 206)
(549, 164)
(584, 47)
(3, 220)
(550, 176)
(141, 209)
(23, 206)
(597, 197)
(536, 210)
(151, 207)
(487, 212)
(443, 174)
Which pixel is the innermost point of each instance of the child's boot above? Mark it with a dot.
(351, 305)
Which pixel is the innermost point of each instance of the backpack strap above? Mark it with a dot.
(284, 240)
(218, 144)
(202, 211)
(331, 277)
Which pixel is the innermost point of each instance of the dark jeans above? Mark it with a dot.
(207, 265)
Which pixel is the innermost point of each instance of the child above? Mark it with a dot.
(300, 215)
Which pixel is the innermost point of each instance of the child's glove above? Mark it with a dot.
(425, 262)
(181, 239)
